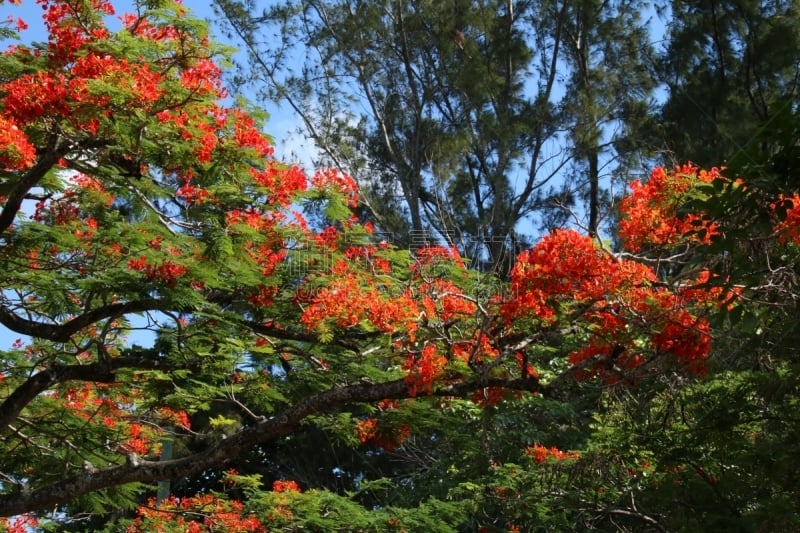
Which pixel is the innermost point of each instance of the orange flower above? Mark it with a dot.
(650, 212)
(423, 369)
(285, 486)
(540, 454)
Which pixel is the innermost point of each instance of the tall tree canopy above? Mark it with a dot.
(732, 70)
(178, 320)
(457, 117)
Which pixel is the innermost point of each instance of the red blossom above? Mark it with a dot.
(366, 429)
(203, 77)
(388, 405)
(196, 514)
(540, 454)
(619, 301)
(264, 297)
(788, 227)
(336, 180)
(423, 369)
(166, 272)
(247, 135)
(563, 265)
(285, 486)
(488, 396)
(434, 255)
(19, 524)
(650, 213)
(388, 438)
(191, 194)
(176, 417)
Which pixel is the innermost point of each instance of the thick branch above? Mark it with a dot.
(137, 470)
(47, 159)
(62, 332)
(99, 372)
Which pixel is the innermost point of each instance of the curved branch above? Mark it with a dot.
(47, 160)
(63, 332)
(288, 422)
(99, 372)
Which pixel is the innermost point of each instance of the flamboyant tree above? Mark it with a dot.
(178, 320)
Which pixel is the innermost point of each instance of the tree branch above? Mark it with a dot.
(62, 332)
(47, 159)
(98, 372)
(288, 422)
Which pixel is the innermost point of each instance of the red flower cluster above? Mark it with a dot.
(71, 94)
(19, 524)
(618, 301)
(264, 295)
(366, 429)
(84, 184)
(16, 151)
(68, 31)
(428, 256)
(348, 299)
(89, 89)
(686, 337)
(175, 417)
(66, 208)
(166, 272)
(650, 213)
(443, 300)
(254, 218)
(488, 396)
(342, 183)
(478, 349)
(191, 194)
(285, 486)
(203, 77)
(283, 182)
(138, 442)
(424, 368)
(540, 454)
(217, 515)
(104, 405)
(563, 266)
(246, 133)
(789, 227)
(388, 438)
(267, 255)
(366, 255)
